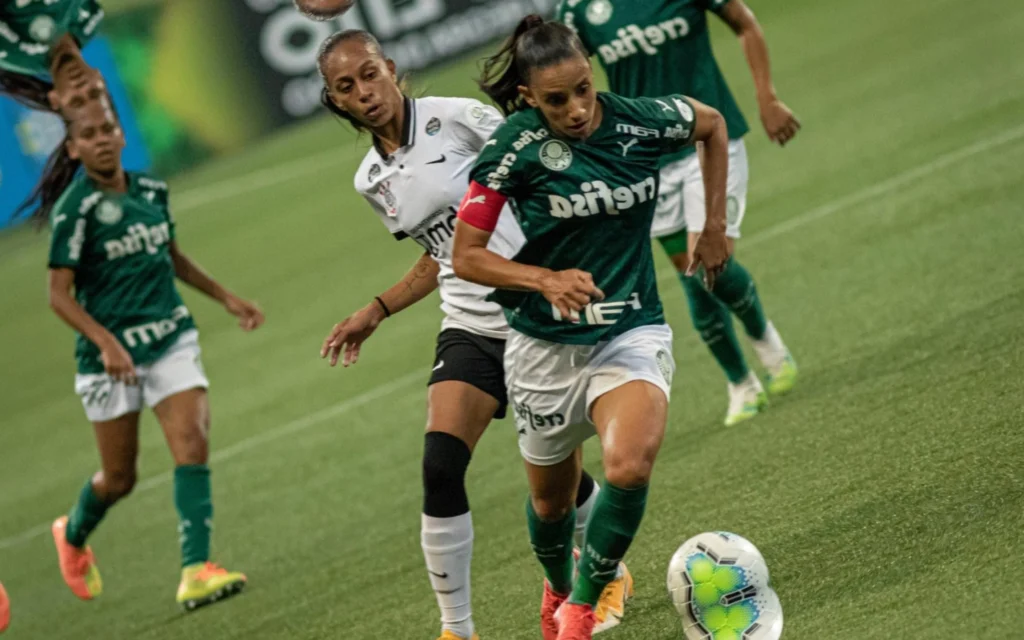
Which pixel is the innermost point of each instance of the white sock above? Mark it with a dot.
(448, 549)
(770, 349)
(583, 514)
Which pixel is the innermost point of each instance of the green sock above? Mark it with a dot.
(610, 531)
(192, 498)
(714, 323)
(552, 543)
(736, 289)
(85, 516)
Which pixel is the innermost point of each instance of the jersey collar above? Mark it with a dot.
(408, 129)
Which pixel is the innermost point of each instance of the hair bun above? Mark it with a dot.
(532, 21)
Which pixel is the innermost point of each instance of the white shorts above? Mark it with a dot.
(681, 195)
(553, 386)
(180, 369)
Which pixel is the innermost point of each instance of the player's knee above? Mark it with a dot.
(445, 460)
(628, 471)
(116, 484)
(552, 508)
(192, 446)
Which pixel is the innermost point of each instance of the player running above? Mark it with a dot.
(588, 350)
(654, 48)
(113, 261)
(413, 178)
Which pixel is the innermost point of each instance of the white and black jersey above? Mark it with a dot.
(416, 191)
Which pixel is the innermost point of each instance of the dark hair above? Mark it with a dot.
(328, 47)
(58, 175)
(60, 169)
(535, 44)
(28, 90)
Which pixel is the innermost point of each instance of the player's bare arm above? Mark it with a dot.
(778, 120)
(712, 250)
(249, 315)
(116, 360)
(348, 335)
(568, 290)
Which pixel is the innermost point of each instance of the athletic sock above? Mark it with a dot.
(714, 324)
(448, 549)
(613, 524)
(552, 544)
(446, 531)
(194, 502)
(736, 289)
(586, 497)
(85, 516)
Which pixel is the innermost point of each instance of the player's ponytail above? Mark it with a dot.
(535, 44)
(58, 174)
(28, 90)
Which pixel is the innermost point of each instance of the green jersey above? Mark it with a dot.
(656, 48)
(119, 247)
(587, 205)
(28, 28)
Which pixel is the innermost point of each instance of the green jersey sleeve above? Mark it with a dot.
(68, 223)
(675, 117)
(501, 166)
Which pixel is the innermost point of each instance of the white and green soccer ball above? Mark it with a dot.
(719, 584)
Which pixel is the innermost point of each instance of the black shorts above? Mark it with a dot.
(476, 360)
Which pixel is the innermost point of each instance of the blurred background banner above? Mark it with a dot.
(417, 34)
(193, 79)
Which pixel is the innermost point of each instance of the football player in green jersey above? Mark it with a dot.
(112, 268)
(656, 48)
(40, 42)
(588, 351)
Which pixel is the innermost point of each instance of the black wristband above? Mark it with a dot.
(384, 307)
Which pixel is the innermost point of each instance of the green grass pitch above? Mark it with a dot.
(887, 492)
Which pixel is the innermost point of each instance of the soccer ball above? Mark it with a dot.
(322, 10)
(719, 584)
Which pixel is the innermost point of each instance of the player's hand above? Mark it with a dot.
(711, 252)
(249, 315)
(117, 362)
(570, 290)
(349, 335)
(779, 122)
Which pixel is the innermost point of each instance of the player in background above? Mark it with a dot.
(41, 66)
(112, 268)
(657, 48)
(38, 42)
(588, 350)
(413, 178)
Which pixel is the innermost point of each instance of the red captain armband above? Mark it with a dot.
(481, 207)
